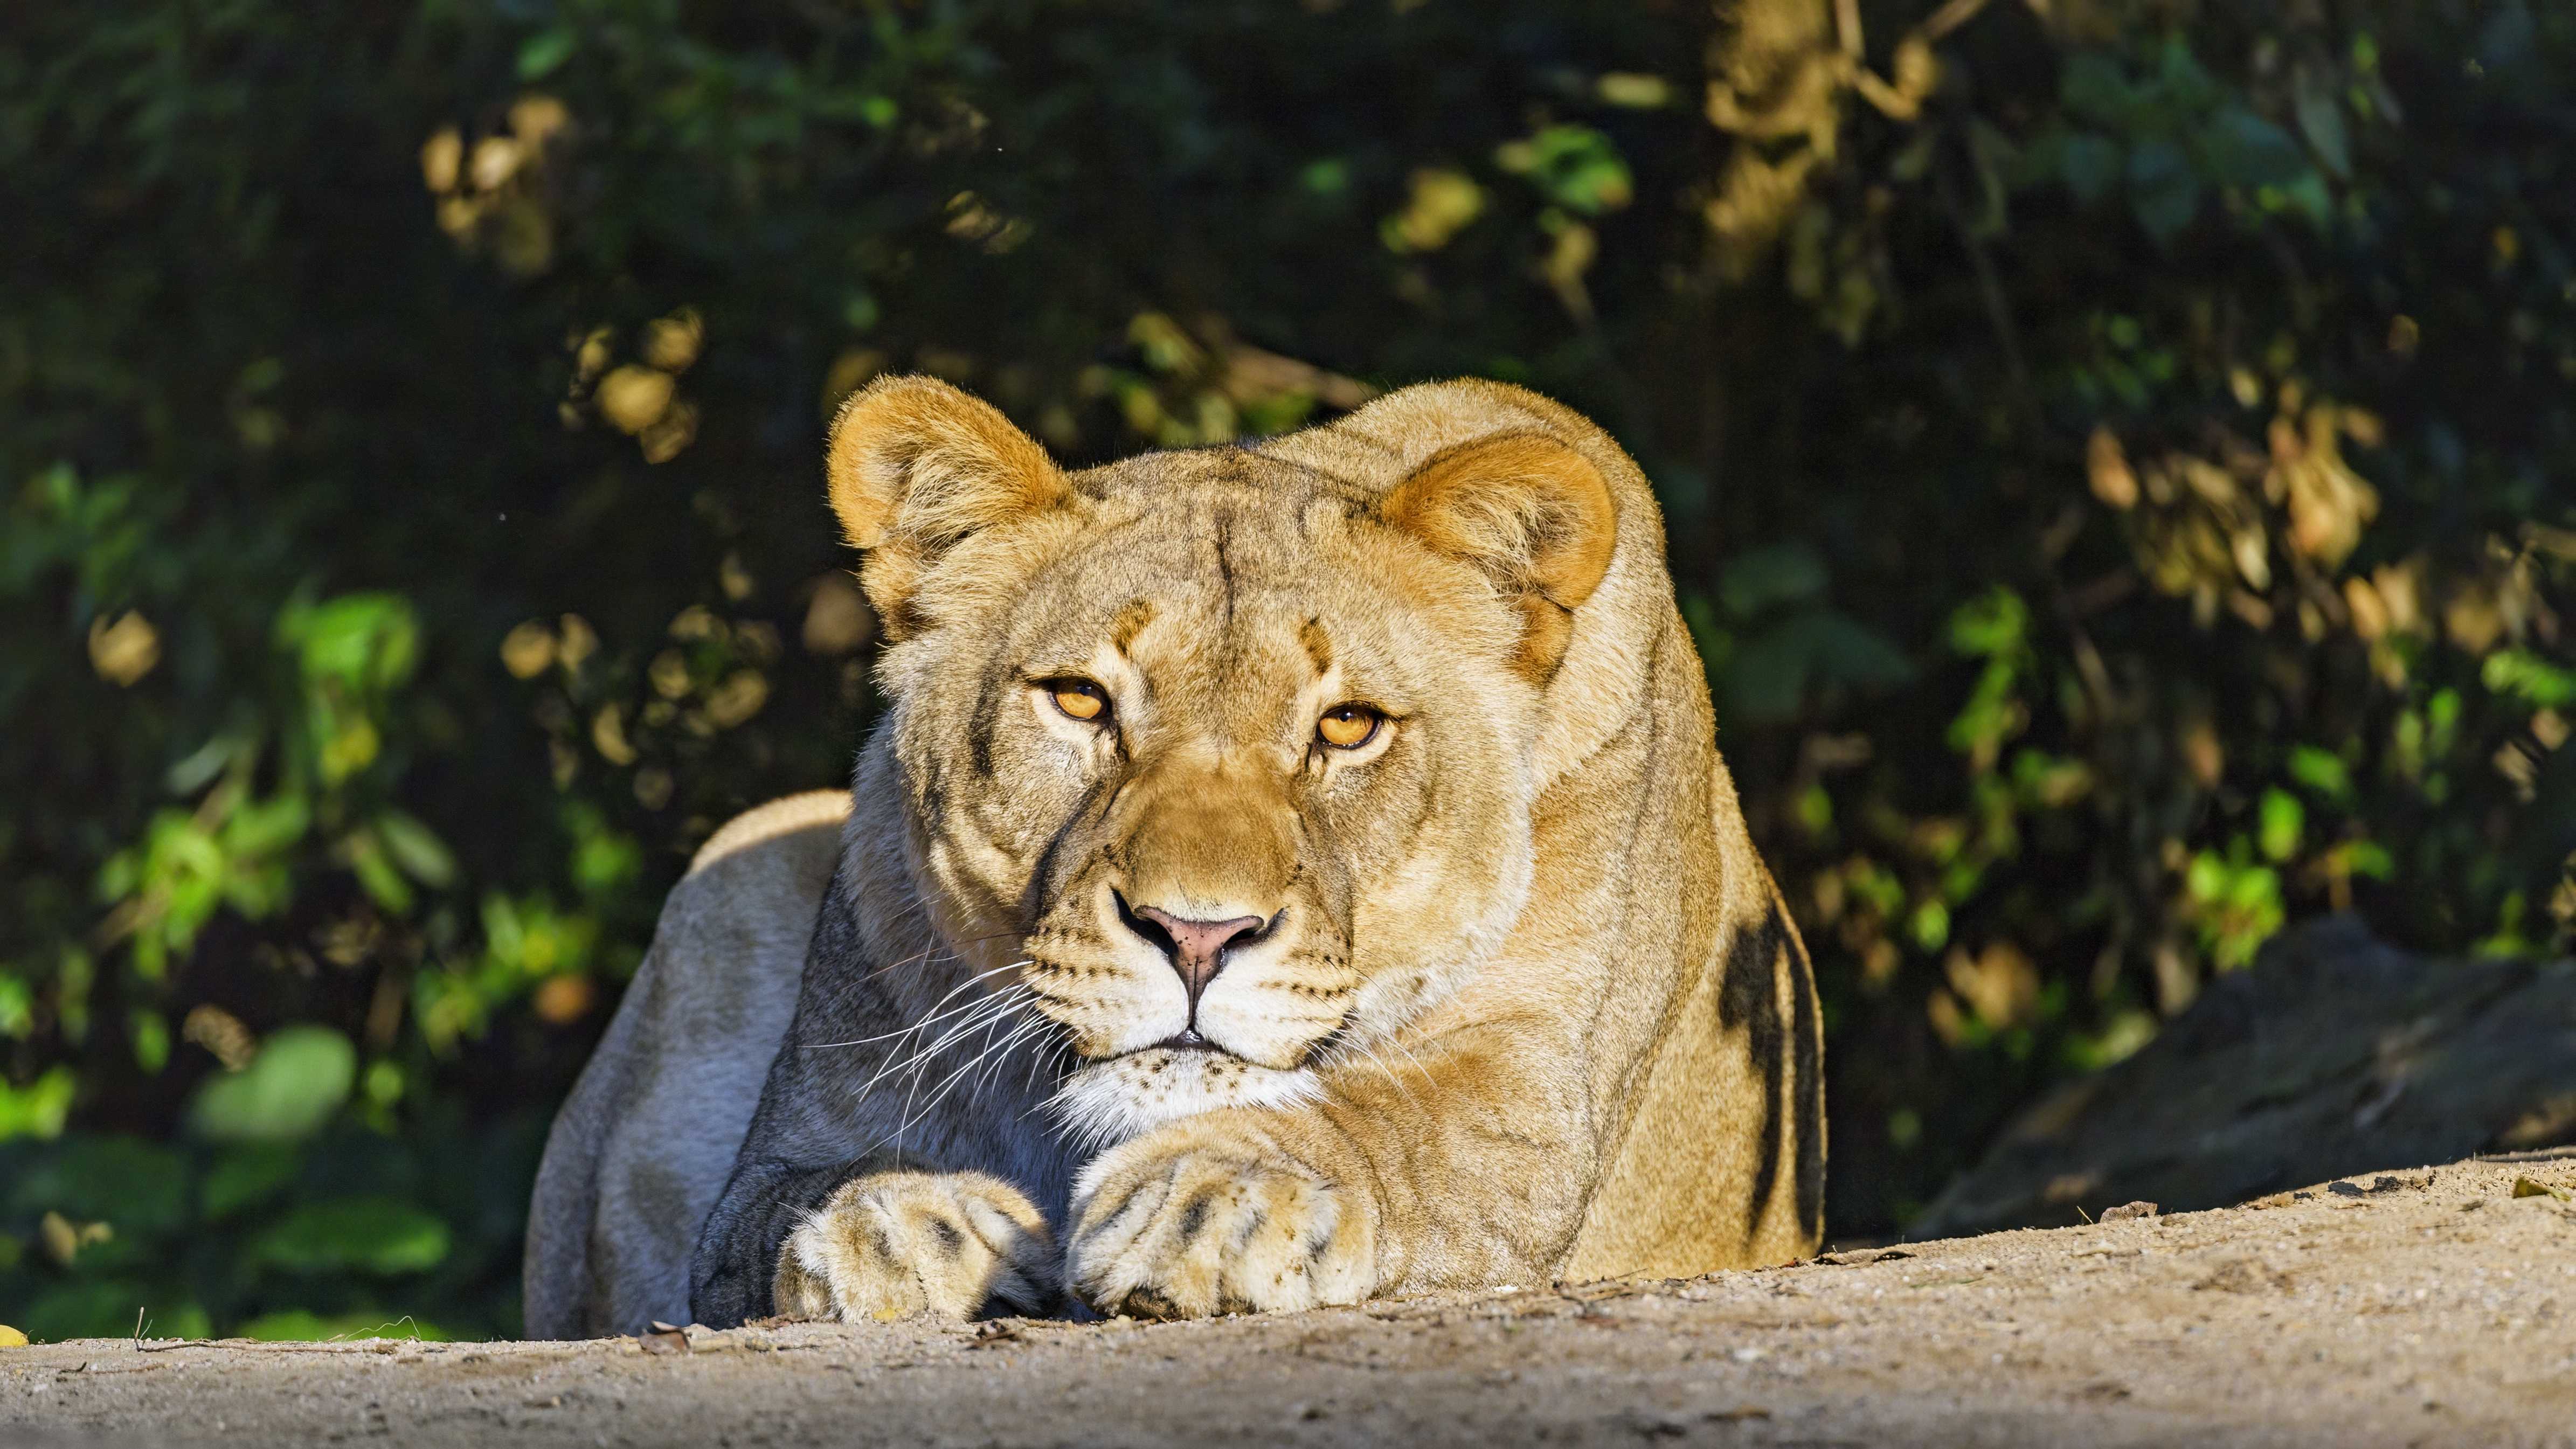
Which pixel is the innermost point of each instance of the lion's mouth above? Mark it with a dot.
(1187, 1039)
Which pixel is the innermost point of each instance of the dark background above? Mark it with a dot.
(2115, 456)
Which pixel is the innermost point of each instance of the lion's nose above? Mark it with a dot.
(1196, 948)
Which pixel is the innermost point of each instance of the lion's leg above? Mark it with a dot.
(891, 1244)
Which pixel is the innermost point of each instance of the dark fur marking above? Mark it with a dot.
(988, 717)
(1807, 1061)
(1224, 531)
(1131, 621)
(1319, 645)
(1194, 1218)
(1748, 997)
(951, 1241)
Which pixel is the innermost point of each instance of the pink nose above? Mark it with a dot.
(1197, 946)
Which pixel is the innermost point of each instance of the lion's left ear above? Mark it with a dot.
(1528, 511)
(915, 466)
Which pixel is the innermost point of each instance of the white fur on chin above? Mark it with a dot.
(1107, 1103)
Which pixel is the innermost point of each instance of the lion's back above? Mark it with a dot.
(643, 1145)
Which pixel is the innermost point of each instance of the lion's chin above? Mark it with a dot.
(1108, 1102)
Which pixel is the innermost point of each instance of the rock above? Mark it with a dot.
(2335, 1054)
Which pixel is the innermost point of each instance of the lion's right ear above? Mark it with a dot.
(915, 467)
(1529, 512)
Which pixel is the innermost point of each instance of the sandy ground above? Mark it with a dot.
(2414, 1307)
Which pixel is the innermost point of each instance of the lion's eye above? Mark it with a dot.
(1348, 726)
(1081, 699)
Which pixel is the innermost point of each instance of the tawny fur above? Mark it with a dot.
(1526, 1006)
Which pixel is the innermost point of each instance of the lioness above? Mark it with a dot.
(1287, 874)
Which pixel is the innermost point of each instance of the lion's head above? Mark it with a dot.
(1231, 751)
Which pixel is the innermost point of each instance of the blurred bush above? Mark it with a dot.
(2114, 453)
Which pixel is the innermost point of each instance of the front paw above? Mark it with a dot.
(892, 1244)
(1194, 1221)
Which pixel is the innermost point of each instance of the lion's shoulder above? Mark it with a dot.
(804, 825)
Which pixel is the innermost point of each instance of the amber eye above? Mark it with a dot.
(1348, 726)
(1081, 699)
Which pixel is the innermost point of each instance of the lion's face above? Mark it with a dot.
(1231, 753)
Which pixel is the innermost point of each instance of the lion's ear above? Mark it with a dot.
(915, 466)
(1532, 514)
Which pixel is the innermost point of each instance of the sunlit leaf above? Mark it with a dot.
(1992, 623)
(2283, 821)
(300, 1077)
(541, 54)
(1575, 167)
(416, 849)
(2524, 673)
(2322, 772)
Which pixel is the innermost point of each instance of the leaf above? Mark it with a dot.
(199, 769)
(300, 1077)
(362, 641)
(2244, 149)
(376, 873)
(1994, 622)
(1442, 202)
(1847, 651)
(2522, 672)
(260, 828)
(139, 1187)
(1782, 573)
(2163, 190)
(377, 1235)
(1576, 167)
(1767, 678)
(39, 1108)
(246, 1174)
(2092, 86)
(2090, 165)
(541, 54)
(2186, 85)
(416, 849)
(2283, 821)
(2322, 772)
(2321, 121)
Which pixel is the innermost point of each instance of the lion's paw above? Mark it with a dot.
(1187, 1223)
(893, 1244)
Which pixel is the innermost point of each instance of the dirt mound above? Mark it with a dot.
(2336, 1053)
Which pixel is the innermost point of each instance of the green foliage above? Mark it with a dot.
(376, 1236)
(299, 1079)
(2116, 479)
